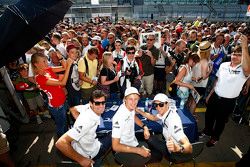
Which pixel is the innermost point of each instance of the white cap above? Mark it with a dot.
(131, 90)
(96, 38)
(162, 98)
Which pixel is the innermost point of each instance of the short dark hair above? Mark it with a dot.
(130, 47)
(96, 95)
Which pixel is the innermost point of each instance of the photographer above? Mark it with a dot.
(130, 69)
(176, 59)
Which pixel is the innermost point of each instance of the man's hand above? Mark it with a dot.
(143, 151)
(69, 62)
(172, 147)
(94, 82)
(86, 162)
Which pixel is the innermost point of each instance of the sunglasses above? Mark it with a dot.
(97, 103)
(150, 39)
(158, 104)
(130, 52)
(237, 54)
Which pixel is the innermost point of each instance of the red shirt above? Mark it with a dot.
(56, 95)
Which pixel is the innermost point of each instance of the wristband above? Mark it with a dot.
(143, 126)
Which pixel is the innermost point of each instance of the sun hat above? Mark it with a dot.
(204, 46)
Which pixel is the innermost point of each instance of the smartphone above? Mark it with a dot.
(144, 51)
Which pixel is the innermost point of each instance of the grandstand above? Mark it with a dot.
(221, 10)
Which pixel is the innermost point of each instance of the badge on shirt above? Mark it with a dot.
(116, 125)
(78, 129)
(176, 129)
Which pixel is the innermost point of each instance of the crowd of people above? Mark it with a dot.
(80, 66)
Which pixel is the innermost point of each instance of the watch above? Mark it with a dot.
(143, 126)
(181, 148)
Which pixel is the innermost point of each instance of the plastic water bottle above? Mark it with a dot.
(146, 104)
(182, 104)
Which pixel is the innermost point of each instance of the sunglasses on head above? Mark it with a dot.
(97, 103)
(159, 104)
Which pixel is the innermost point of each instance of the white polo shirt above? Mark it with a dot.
(123, 126)
(84, 133)
(230, 80)
(172, 125)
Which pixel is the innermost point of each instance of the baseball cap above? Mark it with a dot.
(131, 90)
(161, 97)
(97, 38)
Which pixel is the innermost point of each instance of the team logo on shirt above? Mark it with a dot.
(116, 125)
(78, 129)
(176, 129)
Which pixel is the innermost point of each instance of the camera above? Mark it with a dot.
(144, 51)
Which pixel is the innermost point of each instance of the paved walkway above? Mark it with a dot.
(35, 146)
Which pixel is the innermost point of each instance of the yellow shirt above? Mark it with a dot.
(92, 67)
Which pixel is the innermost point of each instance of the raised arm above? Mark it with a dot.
(245, 61)
(54, 82)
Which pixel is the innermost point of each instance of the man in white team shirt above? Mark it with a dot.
(128, 151)
(231, 77)
(81, 143)
(175, 139)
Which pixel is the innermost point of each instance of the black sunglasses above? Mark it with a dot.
(130, 52)
(158, 104)
(97, 103)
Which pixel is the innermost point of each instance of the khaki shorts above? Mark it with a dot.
(35, 102)
(4, 145)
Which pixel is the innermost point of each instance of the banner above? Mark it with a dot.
(94, 2)
(143, 38)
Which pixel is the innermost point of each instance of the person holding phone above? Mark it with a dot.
(231, 77)
(47, 81)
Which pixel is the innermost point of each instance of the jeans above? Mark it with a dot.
(59, 114)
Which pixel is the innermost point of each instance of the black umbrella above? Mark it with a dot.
(25, 23)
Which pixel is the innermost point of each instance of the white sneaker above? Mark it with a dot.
(38, 119)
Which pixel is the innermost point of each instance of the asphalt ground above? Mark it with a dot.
(34, 145)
